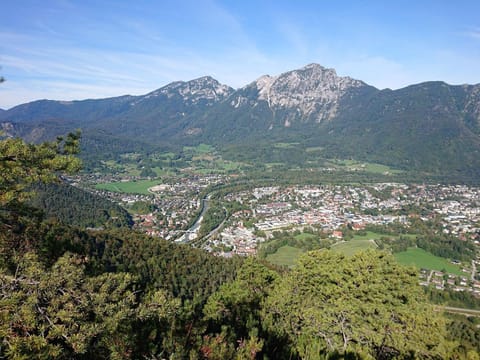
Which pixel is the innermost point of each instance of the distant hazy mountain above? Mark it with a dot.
(431, 126)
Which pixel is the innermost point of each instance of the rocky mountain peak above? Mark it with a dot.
(312, 91)
(204, 88)
(313, 67)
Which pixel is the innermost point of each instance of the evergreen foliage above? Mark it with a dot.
(61, 313)
(77, 207)
(23, 164)
(365, 304)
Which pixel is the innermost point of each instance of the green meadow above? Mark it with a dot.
(352, 246)
(424, 260)
(282, 145)
(199, 149)
(129, 187)
(364, 166)
(286, 255)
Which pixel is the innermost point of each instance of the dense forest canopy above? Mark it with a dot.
(78, 207)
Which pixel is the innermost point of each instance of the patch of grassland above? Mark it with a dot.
(286, 256)
(380, 169)
(217, 166)
(129, 187)
(423, 259)
(351, 247)
(314, 149)
(369, 236)
(305, 236)
(231, 165)
(163, 171)
(281, 145)
(354, 165)
(274, 164)
(199, 149)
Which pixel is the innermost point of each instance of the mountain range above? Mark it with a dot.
(432, 126)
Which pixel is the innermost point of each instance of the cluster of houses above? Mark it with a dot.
(457, 205)
(329, 207)
(441, 281)
(175, 203)
(235, 239)
(332, 206)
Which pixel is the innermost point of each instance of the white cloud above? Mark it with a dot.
(149, 60)
(56, 65)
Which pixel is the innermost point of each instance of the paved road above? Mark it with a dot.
(456, 310)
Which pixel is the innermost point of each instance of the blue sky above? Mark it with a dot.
(66, 49)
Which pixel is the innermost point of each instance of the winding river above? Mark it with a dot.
(190, 234)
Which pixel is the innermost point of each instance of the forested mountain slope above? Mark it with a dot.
(432, 127)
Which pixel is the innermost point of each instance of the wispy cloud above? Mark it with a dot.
(68, 49)
(294, 36)
(237, 41)
(149, 59)
(473, 33)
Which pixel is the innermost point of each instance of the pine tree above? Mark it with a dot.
(365, 305)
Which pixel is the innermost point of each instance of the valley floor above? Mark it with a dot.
(246, 219)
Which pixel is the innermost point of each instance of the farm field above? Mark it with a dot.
(130, 187)
(274, 164)
(287, 255)
(370, 235)
(216, 166)
(423, 259)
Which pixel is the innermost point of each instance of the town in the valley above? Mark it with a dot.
(253, 216)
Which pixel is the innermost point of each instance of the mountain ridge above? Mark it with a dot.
(430, 126)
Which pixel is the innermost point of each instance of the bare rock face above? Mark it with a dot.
(472, 105)
(7, 128)
(205, 89)
(311, 91)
